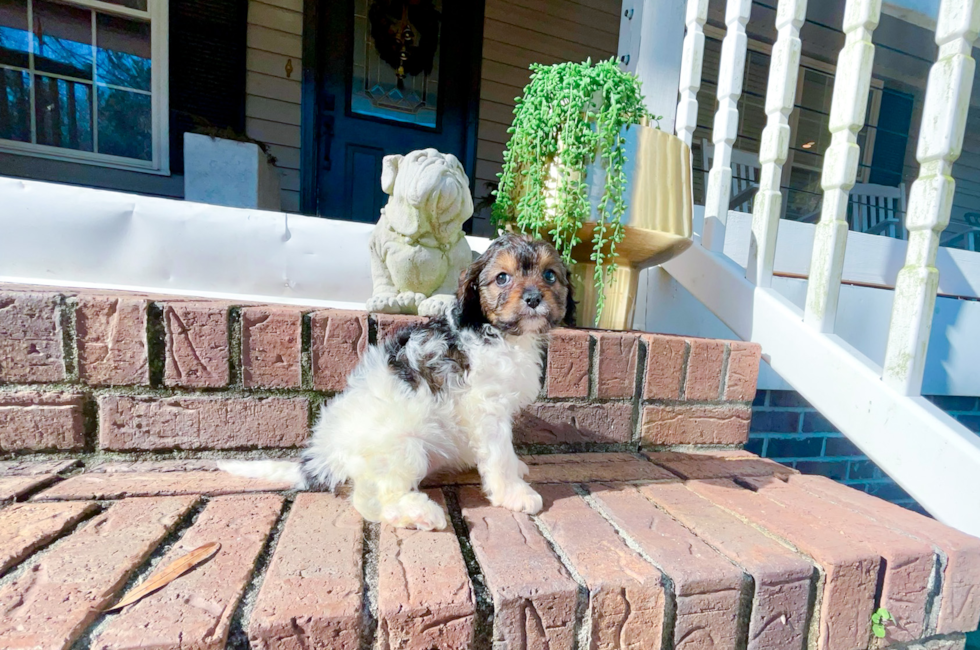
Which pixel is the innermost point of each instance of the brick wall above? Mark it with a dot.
(83, 371)
(787, 429)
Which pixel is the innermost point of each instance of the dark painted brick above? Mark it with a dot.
(841, 447)
(954, 402)
(775, 421)
(755, 445)
(813, 422)
(864, 469)
(787, 398)
(886, 490)
(760, 398)
(835, 469)
(971, 422)
(780, 447)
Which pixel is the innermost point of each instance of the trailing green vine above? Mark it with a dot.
(570, 112)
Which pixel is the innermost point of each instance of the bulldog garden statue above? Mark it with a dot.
(417, 248)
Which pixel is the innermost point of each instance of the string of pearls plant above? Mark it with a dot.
(570, 114)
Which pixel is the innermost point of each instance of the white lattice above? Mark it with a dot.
(931, 198)
(731, 70)
(847, 111)
(780, 96)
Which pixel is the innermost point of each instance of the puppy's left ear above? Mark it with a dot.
(569, 320)
(389, 169)
(468, 307)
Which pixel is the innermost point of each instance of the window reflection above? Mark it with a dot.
(63, 37)
(123, 52)
(63, 112)
(125, 123)
(15, 105)
(13, 33)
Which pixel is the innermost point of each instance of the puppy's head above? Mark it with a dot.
(519, 285)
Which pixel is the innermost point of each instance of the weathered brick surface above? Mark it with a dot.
(197, 348)
(909, 563)
(196, 610)
(697, 465)
(573, 468)
(51, 604)
(570, 422)
(311, 595)
(626, 598)
(389, 324)
(425, 599)
(850, 571)
(272, 339)
(616, 359)
(533, 595)
(31, 343)
(201, 422)
(113, 485)
(31, 467)
(665, 366)
(782, 578)
(743, 371)
(568, 364)
(960, 597)
(26, 527)
(339, 338)
(707, 587)
(704, 365)
(695, 424)
(14, 487)
(111, 338)
(36, 421)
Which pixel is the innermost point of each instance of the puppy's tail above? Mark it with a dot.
(271, 470)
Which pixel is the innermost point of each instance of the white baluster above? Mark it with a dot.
(730, 74)
(691, 61)
(847, 112)
(784, 69)
(931, 197)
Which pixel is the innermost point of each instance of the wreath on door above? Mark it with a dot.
(405, 34)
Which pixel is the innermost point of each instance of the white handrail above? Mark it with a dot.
(691, 62)
(848, 108)
(730, 76)
(931, 198)
(784, 70)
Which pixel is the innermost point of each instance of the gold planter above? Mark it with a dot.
(657, 224)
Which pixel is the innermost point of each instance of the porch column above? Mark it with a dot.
(651, 38)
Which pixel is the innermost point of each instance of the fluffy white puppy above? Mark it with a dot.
(442, 396)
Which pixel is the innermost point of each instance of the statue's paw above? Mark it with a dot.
(436, 305)
(386, 303)
(409, 301)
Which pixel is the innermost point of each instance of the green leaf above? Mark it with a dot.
(879, 631)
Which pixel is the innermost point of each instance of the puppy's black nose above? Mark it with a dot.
(532, 297)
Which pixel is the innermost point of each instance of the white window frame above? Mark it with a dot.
(157, 14)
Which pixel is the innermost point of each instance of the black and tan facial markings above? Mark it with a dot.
(519, 285)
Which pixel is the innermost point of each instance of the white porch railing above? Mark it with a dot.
(934, 458)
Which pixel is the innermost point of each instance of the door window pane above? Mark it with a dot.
(396, 60)
(64, 39)
(64, 113)
(13, 33)
(123, 52)
(15, 105)
(125, 123)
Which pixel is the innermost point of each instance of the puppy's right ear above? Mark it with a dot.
(468, 307)
(389, 169)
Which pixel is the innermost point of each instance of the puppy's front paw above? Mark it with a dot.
(519, 497)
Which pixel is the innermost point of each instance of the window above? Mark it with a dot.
(86, 81)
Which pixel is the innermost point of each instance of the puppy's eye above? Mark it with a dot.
(502, 279)
(549, 276)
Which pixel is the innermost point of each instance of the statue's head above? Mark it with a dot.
(433, 185)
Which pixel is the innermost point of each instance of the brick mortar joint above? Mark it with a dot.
(483, 623)
(583, 612)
